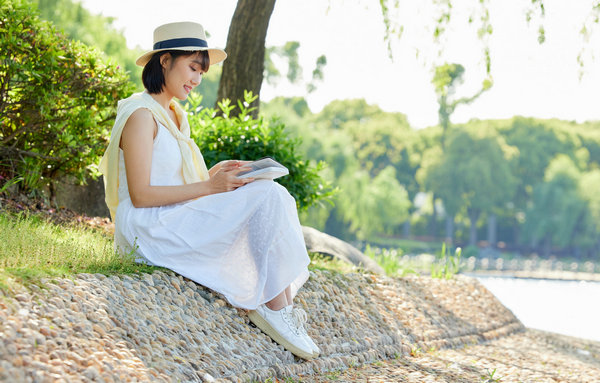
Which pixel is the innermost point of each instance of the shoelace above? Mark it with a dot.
(290, 319)
(300, 318)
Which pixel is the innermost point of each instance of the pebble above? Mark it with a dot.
(91, 373)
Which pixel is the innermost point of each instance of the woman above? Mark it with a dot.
(239, 237)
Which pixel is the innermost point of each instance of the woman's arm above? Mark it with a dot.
(137, 142)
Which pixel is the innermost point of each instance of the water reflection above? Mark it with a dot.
(565, 307)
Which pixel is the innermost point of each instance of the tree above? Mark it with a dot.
(472, 174)
(93, 30)
(445, 80)
(244, 68)
(359, 142)
(378, 140)
(283, 106)
(385, 140)
(557, 209)
(338, 112)
(289, 53)
(589, 235)
(538, 142)
(375, 205)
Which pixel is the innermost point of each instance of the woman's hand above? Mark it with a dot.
(225, 178)
(218, 166)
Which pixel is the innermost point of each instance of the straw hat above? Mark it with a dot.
(184, 36)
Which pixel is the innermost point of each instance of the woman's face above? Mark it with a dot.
(181, 75)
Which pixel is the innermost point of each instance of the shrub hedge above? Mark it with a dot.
(57, 100)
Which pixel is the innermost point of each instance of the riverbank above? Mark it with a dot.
(162, 327)
(539, 274)
(521, 267)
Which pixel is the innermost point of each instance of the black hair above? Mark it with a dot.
(153, 77)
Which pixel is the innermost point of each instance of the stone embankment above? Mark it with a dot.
(162, 327)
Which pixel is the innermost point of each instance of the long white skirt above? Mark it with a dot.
(246, 244)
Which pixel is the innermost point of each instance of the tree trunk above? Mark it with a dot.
(243, 69)
(406, 229)
(547, 246)
(432, 224)
(516, 234)
(473, 217)
(335, 227)
(449, 229)
(492, 230)
(52, 194)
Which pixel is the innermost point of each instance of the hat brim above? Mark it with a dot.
(215, 55)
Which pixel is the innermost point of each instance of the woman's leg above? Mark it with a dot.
(280, 301)
(288, 295)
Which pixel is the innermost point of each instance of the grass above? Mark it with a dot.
(333, 375)
(33, 248)
(489, 378)
(446, 264)
(389, 260)
(409, 246)
(416, 351)
(323, 262)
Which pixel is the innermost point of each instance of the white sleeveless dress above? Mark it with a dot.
(246, 244)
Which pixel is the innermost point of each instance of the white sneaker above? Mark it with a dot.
(300, 316)
(281, 327)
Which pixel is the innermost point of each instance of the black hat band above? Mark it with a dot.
(178, 43)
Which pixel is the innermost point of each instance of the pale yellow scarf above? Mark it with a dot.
(194, 168)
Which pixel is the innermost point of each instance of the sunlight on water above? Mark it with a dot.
(564, 307)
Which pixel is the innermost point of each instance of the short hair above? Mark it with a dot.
(153, 77)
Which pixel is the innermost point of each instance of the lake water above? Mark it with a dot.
(564, 307)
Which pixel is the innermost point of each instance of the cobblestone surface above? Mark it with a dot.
(527, 356)
(164, 328)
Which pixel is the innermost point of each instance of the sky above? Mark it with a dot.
(530, 79)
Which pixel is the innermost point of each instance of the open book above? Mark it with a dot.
(266, 168)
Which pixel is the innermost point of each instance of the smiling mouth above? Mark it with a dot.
(188, 89)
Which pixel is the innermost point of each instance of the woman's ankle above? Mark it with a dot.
(275, 306)
(278, 302)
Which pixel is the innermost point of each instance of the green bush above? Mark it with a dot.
(222, 137)
(471, 251)
(57, 100)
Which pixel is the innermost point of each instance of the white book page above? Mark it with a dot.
(266, 168)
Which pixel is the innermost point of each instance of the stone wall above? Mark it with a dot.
(162, 327)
